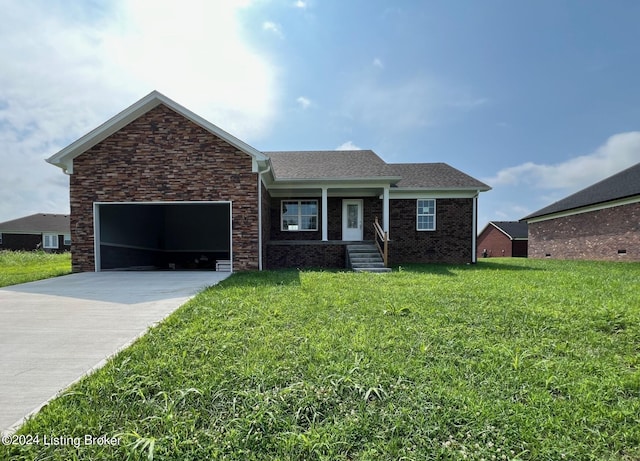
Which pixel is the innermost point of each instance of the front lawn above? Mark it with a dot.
(508, 359)
(27, 266)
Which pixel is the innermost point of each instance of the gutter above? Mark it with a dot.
(260, 173)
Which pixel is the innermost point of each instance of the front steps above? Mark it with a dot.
(364, 257)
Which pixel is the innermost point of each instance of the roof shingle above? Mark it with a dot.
(326, 164)
(366, 164)
(433, 176)
(514, 229)
(36, 223)
(619, 186)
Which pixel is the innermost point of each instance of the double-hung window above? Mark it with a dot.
(299, 215)
(67, 240)
(50, 240)
(426, 215)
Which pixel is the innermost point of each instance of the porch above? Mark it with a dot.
(331, 254)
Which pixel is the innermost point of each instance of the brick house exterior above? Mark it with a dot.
(503, 239)
(157, 186)
(601, 222)
(40, 231)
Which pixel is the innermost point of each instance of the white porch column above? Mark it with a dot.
(385, 210)
(325, 216)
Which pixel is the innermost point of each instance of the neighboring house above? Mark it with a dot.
(159, 186)
(601, 222)
(49, 232)
(503, 239)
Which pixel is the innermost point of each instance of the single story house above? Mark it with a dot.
(158, 186)
(600, 222)
(49, 232)
(503, 239)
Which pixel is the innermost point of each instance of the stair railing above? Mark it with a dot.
(381, 237)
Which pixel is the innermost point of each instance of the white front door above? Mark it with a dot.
(352, 219)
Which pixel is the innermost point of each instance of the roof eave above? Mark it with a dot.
(535, 217)
(380, 179)
(423, 189)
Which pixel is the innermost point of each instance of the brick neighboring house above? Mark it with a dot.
(600, 222)
(49, 232)
(157, 186)
(503, 239)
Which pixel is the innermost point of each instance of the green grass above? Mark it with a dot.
(27, 266)
(508, 359)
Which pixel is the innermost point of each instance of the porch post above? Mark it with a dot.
(325, 218)
(385, 210)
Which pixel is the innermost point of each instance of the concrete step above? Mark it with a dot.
(365, 258)
(363, 250)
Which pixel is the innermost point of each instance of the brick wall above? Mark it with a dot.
(450, 243)
(306, 255)
(496, 243)
(163, 156)
(29, 242)
(596, 235)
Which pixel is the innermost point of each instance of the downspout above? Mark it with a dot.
(260, 215)
(474, 237)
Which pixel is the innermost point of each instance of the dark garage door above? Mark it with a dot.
(162, 235)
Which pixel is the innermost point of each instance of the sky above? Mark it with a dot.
(537, 98)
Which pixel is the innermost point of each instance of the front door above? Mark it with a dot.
(352, 219)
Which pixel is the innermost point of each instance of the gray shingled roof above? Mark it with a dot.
(365, 164)
(514, 229)
(433, 176)
(619, 186)
(37, 223)
(327, 164)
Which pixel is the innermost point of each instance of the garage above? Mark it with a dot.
(163, 236)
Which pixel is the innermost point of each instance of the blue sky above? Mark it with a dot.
(537, 98)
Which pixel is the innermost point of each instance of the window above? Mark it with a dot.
(426, 220)
(299, 215)
(0, 238)
(67, 240)
(50, 241)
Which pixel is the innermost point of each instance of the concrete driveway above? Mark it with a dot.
(54, 331)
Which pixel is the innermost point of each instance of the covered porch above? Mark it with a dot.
(312, 227)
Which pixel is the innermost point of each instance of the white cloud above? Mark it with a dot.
(619, 152)
(300, 4)
(377, 62)
(303, 102)
(66, 68)
(348, 146)
(273, 28)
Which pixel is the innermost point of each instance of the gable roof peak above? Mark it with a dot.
(64, 158)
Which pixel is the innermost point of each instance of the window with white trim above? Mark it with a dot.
(426, 215)
(299, 215)
(50, 240)
(66, 240)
